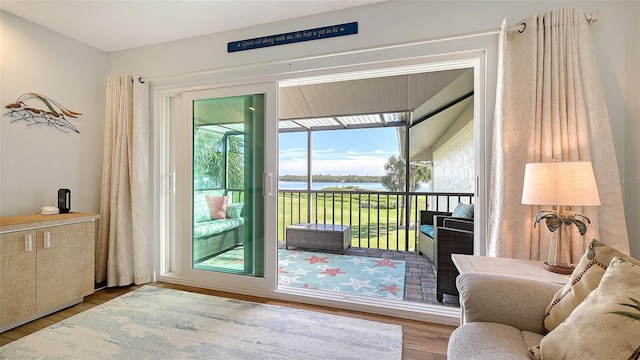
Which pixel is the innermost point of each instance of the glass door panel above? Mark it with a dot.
(228, 200)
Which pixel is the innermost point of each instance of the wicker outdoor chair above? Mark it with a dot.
(429, 221)
(454, 237)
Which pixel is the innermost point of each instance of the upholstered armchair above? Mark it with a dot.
(455, 236)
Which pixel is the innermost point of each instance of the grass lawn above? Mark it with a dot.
(373, 218)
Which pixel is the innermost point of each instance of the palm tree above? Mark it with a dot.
(235, 161)
(419, 172)
(394, 174)
(215, 152)
(394, 178)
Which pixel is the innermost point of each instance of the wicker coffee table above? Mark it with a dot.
(319, 236)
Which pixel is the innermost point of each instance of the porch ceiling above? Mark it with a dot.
(430, 102)
(372, 102)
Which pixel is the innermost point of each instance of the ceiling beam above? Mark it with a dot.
(344, 126)
(441, 109)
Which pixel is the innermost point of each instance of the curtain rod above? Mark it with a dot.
(132, 80)
(591, 18)
(323, 55)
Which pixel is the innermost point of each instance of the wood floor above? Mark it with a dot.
(421, 340)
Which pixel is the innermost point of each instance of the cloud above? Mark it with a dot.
(362, 166)
(332, 162)
(292, 153)
(293, 167)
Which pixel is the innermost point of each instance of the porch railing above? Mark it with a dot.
(379, 220)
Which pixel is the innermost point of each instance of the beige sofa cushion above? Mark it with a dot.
(505, 299)
(503, 314)
(606, 325)
(490, 341)
(584, 279)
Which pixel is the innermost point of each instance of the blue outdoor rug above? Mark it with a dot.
(342, 273)
(358, 275)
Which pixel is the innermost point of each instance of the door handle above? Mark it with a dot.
(267, 183)
(47, 239)
(28, 243)
(172, 182)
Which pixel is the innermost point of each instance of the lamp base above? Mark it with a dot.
(559, 269)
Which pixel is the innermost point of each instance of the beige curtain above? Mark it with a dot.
(550, 105)
(122, 252)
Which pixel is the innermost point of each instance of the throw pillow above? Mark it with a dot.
(606, 325)
(234, 210)
(463, 211)
(217, 206)
(584, 279)
(200, 208)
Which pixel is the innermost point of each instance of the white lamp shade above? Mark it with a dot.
(567, 183)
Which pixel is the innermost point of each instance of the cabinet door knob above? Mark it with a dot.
(28, 244)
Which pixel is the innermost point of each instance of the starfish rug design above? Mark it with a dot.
(342, 273)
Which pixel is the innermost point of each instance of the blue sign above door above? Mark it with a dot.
(294, 37)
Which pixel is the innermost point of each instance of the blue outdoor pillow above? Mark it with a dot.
(234, 210)
(463, 211)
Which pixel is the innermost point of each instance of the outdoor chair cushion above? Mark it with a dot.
(213, 227)
(428, 230)
(204, 225)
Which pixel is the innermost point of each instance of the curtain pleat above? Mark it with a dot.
(122, 255)
(140, 182)
(550, 105)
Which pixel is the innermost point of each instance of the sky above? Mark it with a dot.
(338, 152)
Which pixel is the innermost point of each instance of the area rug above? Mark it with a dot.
(359, 275)
(157, 323)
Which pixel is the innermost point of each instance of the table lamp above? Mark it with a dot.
(560, 184)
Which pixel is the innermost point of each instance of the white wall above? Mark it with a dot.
(36, 161)
(453, 159)
(34, 59)
(631, 185)
(615, 37)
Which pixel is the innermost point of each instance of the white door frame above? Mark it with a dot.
(479, 51)
(177, 241)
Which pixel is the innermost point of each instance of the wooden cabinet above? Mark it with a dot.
(17, 276)
(46, 264)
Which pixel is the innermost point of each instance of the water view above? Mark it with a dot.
(319, 185)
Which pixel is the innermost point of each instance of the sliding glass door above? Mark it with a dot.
(222, 188)
(228, 202)
(204, 153)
